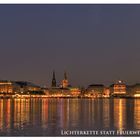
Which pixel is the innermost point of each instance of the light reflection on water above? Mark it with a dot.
(46, 117)
(137, 114)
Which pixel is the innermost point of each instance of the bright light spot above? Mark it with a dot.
(120, 81)
(137, 95)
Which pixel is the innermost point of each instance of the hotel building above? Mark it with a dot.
(118, 89)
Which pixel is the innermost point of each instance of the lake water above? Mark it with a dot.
(49, 116)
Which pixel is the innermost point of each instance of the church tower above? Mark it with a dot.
(65, 82)
(53, 80)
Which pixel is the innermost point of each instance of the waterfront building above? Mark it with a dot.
(8, 87)
(74, 91)
(95, 90)
(28, 87)
(118, 89)
(65, 82)
(45, 91)
(135, 90)
(82, 91)
(19, 89)
(106, 92)
(59, 92)
(53, 80)
(129, 90)
(33, 88)
(54, 91)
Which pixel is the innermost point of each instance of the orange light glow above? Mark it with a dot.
(137, 95)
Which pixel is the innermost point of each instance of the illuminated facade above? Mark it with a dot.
(106, 92)
(75, 91)
(95, 90)
(33, 88)
(59, 92)
(135, 90)
(27, 87)
(118, 89)
(8, 87)
(18, 88)
(21, 88)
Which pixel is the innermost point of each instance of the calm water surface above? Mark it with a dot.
(47, 117)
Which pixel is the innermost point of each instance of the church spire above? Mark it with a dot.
(53, 80)
(53, 74)
(65, 75)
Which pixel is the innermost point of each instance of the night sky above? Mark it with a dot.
(92, 43)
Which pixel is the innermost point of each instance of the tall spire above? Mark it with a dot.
(65, 75)
(53, 74)
(53, 80)
(65, 82)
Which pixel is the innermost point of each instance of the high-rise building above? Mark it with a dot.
(53, 80)
(65, 82)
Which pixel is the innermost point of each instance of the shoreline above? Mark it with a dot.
(7, 97)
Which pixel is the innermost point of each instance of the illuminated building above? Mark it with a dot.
(45, 91)
(75, 91)
(59, 92)
(135, 90)
(118, 89)
(129, 90)
(33, 88)
(65, 82)
(53, 80)
(106, 92)
(54, 91)
(19, 89)
(28, 87)
(8, 87)
(95, 90)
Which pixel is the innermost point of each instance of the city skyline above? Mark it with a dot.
(92, 43)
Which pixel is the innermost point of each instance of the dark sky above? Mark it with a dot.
(93, 43)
